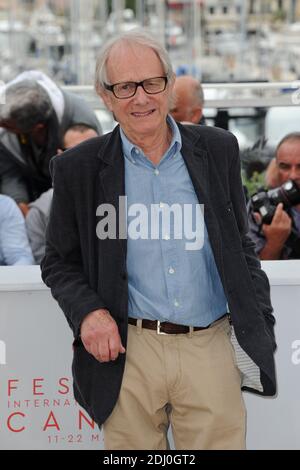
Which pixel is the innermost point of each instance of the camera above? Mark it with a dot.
(265, 202)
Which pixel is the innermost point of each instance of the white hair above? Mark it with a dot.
(134, 36)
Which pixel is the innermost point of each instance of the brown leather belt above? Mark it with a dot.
(168, 328)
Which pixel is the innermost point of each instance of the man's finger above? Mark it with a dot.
(104, 351)
(94, 351)
(278, 212)
(113, 349)
(116, 347)
(257, 217)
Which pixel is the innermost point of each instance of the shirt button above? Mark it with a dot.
(136, 151)
(171, 270)
(156, 172)
(166, 237)
(176, 303)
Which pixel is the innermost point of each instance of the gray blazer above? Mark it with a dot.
(85, 273)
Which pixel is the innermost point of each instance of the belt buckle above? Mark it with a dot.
(158, 329)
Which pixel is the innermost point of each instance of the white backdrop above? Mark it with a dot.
(37, 408)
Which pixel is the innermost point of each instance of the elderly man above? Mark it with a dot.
(150, 313)
(188, 100)
(281, 238)
(33, 119)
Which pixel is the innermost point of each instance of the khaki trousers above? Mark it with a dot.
(189, 382)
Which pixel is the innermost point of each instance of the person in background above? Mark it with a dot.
(77, 134)
(281, 238)
(272, 177)
(39, 210)
(188, 100)
(14, 245)
(34, 117)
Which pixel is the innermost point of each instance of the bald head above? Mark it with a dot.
(187, 100)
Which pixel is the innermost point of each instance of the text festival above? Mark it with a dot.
(17, 421)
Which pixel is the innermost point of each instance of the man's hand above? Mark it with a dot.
(276, 234)
(100, 336)
(280, 227)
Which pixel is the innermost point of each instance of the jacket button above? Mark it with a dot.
(124, 276)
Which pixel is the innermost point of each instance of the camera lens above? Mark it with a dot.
(265, 202)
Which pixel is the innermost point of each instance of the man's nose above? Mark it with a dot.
(140, 95)
(294, 173)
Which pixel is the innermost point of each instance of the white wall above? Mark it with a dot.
(37, 410)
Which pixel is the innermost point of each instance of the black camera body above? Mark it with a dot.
(265, 202)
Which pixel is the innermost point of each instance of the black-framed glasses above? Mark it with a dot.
(124, 90)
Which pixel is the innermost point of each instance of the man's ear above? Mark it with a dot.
(106, 98)
(196, 115)
(172, 83)
(172, 93)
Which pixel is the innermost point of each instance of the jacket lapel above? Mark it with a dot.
(112, 179)
(196, 159)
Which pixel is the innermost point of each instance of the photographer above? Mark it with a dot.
(280, 239)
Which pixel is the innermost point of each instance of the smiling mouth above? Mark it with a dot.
(144, 114)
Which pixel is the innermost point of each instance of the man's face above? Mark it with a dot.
(186, 106)
(182, 109)
(10, 126)
(74, 137)
(288, 161)
(142, 115)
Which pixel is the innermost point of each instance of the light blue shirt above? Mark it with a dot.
(166, 281)
(14, 244)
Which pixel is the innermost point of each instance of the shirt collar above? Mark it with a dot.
(131, 150)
